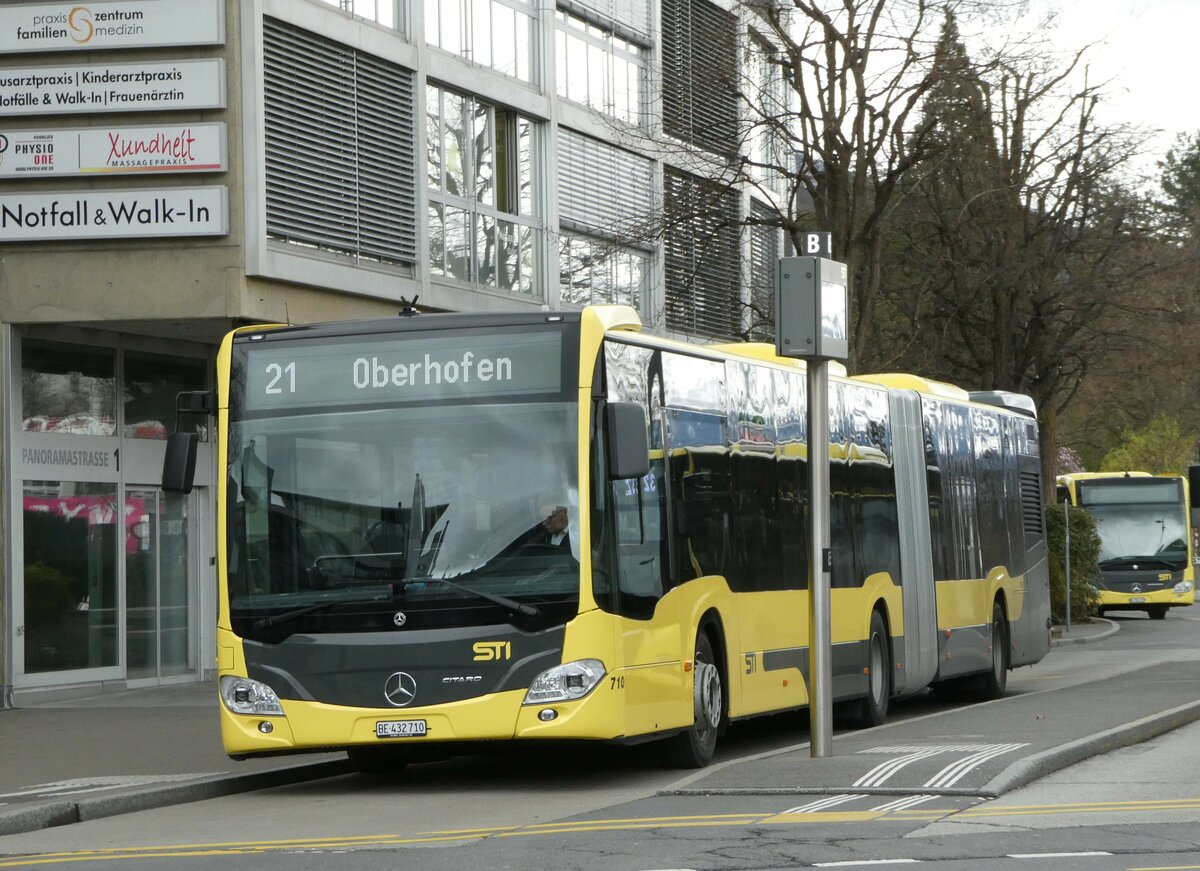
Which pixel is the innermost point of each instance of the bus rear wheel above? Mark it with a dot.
(995, 681)
(872, 710)
(694, 748)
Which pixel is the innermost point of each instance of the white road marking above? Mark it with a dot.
(866, 862)
(823, 803)
(1056, 855)
(880, 773)
(916, 752)
(956, 771)
(903, 803)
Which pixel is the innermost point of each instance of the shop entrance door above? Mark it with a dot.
(159, 606)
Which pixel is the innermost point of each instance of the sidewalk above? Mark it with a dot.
(67, 761)
(1097, 629)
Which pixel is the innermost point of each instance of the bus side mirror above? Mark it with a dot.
(628, 443)
(179, 464)
(1194, 486)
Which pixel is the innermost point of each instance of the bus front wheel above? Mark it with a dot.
(694, 748)
(1157, 612)
(378, 761)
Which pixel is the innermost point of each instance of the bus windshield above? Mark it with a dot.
(1140, 521)
(462, 503)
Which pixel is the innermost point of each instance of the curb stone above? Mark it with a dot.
(1031, 768)
(44, 815)
(1060, 640)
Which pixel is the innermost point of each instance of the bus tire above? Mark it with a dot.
(380, 761)
(1157, 612)
(694, 747)
(995, 681)
(873, 709)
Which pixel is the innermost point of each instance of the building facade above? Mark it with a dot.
(170, 169)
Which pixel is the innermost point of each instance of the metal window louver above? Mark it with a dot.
(340, 147)
(700, 257)
(699, 68)
(764, 258)
(601, 187)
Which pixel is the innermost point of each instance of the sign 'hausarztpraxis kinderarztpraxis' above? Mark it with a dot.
(129, 87)
(30, 27)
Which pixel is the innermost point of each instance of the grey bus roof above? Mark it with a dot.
(1018, 402)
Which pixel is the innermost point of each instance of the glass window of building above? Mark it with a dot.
(768, 114)
(481, 170)
(595, 271)
(68, 388)
(380, 11)
(599, 69)
(151, 384)
(70, 575)
(493, 33)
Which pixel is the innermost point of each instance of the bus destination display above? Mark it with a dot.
(407, 369)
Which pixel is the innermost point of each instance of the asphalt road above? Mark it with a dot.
(1136, 807)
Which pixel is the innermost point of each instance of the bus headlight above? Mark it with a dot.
(1183, 587)
(244, 696)
(566, 682)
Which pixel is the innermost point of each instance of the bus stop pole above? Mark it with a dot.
(820, 677)
(1067, 559)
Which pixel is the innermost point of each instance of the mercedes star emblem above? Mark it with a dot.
(400, 689)
(1137, 588)
(399, 619)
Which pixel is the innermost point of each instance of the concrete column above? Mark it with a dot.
(6, 580)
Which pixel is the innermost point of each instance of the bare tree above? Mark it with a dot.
(1021, 256)
(858, 76)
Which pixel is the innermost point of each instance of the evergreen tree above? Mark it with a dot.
(1180, 183)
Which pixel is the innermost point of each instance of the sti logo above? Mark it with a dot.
(487, 651)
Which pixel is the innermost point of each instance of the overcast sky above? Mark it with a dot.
(1151, 48)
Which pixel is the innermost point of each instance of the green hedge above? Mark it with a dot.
(1085, 552)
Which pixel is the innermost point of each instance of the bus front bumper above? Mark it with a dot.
(1171, 596)
(306, 727)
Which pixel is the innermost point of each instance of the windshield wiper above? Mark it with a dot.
(495, 598)
(296, 614)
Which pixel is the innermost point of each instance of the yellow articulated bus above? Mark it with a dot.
(442, 530)
(1145, 538)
